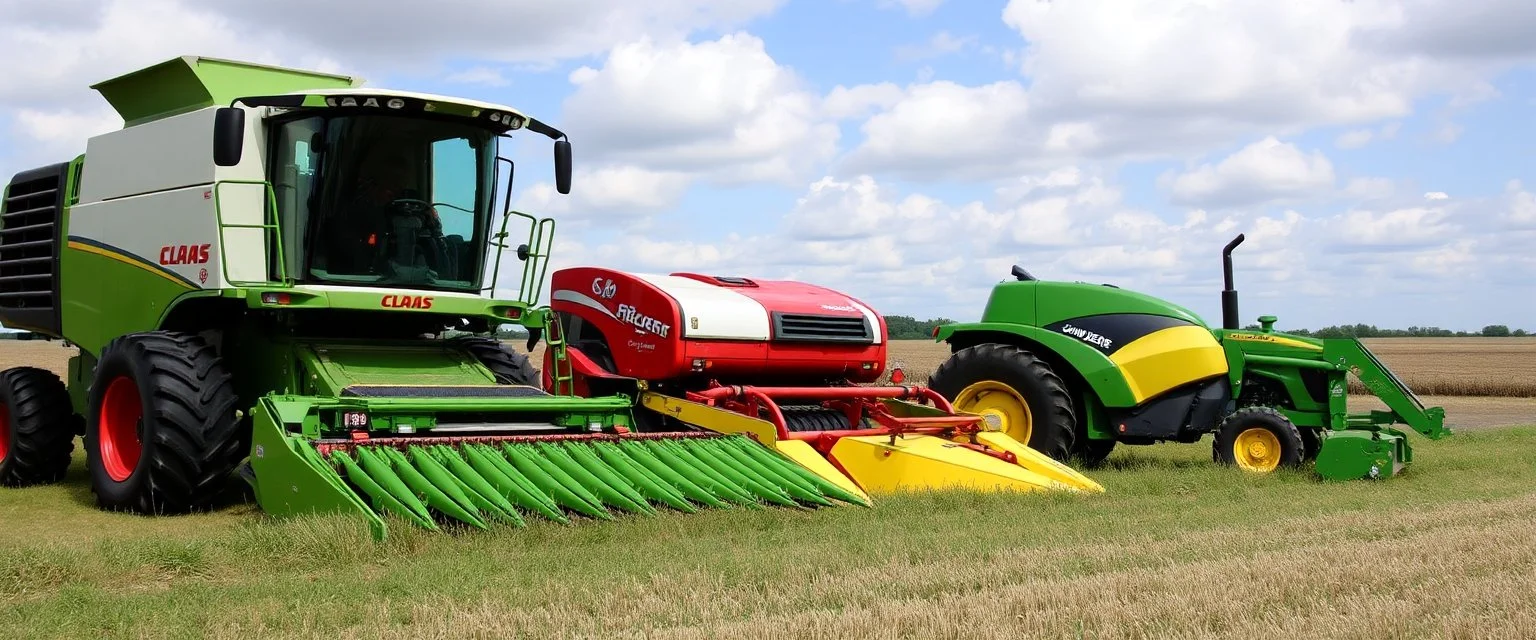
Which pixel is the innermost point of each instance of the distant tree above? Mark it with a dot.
(1496, 331)
(910, 328)
(1519, 333)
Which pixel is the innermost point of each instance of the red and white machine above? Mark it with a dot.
(684, 330)
(782, 362)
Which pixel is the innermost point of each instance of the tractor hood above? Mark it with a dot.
(1046, 303)
(694, 306)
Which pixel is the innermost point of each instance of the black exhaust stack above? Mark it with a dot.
(1229, 317)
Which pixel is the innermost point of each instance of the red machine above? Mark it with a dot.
(684, 330)
(781, 361)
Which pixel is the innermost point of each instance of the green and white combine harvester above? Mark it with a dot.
(286, 267)
(1072, 368)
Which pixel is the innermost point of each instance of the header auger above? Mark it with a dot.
(288, 274)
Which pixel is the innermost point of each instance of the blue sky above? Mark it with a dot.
(1378, 155)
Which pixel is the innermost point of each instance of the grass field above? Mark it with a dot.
(1176, 548)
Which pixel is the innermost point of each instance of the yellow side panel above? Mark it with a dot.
(926, 462)
(1165, 359)
(801, 452)
(712, 418)
(1037, 461)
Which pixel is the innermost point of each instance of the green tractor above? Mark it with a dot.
(288, 268)
(1073, 368)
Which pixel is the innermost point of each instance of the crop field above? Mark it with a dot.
(1177, 547)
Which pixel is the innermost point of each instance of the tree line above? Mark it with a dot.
(909, 328)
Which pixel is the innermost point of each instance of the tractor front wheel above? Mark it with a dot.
(163, 433)
(37, 427)
(507, 366)
(1015, 391)
(1258, 439)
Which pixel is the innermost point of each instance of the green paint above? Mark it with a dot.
(1354, 454)
(304, 356)
(288, 483)
(1308, 373)
(1101, 374)
(189, 83)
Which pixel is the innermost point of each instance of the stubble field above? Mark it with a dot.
(1176, 548)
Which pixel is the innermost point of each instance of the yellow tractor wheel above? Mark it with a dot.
(1259, 440)
(1014, 391)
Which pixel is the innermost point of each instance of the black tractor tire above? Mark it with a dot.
(162, 429)
(1312, 442)
(37, 427)
(1091, 453)
(1292, 448)
(508, 366)
(1053, 423)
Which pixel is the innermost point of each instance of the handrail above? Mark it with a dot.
(273, 227)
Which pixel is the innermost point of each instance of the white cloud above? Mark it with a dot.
(487, 76)
(403, 34)
(608, 193)
(945, 130)
(1354, 139)
(1264, 171)
(723, 108)
(856, 102)
(1436, 195)
(941, 44)
(915, 8)
(1141, 79)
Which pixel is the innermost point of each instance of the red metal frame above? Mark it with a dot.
(426, 439)
(855, 402)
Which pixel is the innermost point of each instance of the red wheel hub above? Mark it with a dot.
(118, 428)
(5, 432)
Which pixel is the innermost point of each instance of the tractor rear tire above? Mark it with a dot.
(1258, 439)
(508, 366)
(37, 427)
(162, 432)
(1030, 381)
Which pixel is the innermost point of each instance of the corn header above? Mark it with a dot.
(286, 276)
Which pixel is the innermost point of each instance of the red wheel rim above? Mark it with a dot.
(118, 428)
(5, 432)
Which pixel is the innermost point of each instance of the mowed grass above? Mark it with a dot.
(1177, 547)
(1476, 367)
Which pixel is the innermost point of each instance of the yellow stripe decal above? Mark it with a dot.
(1273, 339)
(1165, 359)
(128, 259)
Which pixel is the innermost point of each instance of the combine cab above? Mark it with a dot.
(785, 363)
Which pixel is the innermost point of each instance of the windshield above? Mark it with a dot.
(384, 200)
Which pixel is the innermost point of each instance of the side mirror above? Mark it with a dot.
(563, 166)
(228, 136)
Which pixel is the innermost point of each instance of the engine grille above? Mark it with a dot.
(804, 327)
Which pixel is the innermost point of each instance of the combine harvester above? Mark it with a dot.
(286, 267)
(1072, 368)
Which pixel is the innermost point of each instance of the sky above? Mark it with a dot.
(1379, 157)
